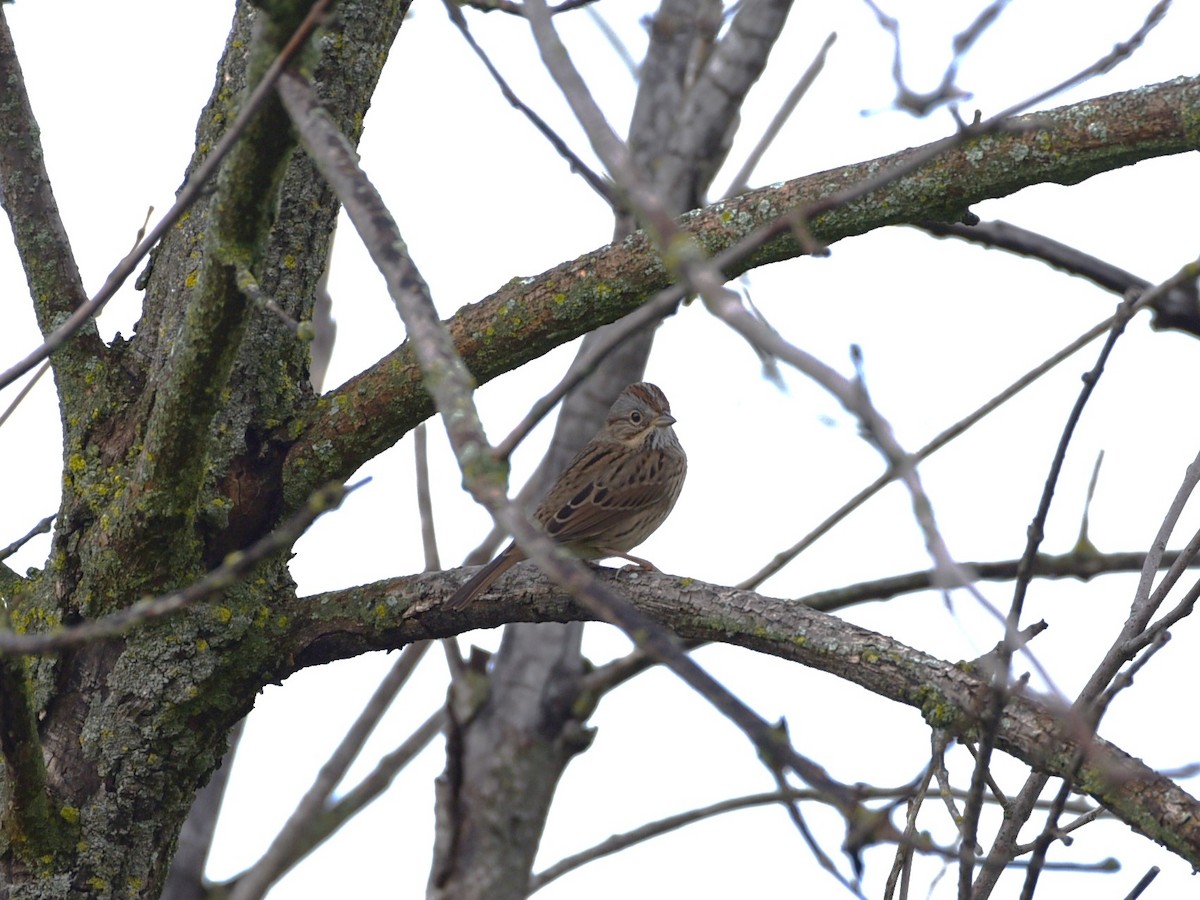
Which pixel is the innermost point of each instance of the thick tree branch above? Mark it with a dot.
(950, 696)
(708, 118)
(448, 382)
(38, 232)
(27, 801)
(188, 393)
(528, 317)
(233, 570)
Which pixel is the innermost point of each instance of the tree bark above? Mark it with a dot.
(194, 437)
(173, 457)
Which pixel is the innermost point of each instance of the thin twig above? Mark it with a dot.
(381, 777)
(1183, 608)
(902, 864)
(1120, 52)
(450, 384)
(618, 842)
(1000, 686)
(235, 567)
(596, 182)
(1063, 831)
(1143, 883)
(1018, 812)
(1177, 308)
(188, 195)
(24, 392)
(282, 854)
(945, 437)
(42, 527)
(249, 287)
(614, 40)
(354, 801)
(425, 500)
(741, 181)
(1083, 543)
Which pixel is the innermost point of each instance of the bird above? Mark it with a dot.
(613, 495)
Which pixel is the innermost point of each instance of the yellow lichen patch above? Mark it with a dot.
(69, 814)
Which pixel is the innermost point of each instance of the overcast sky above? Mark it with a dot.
(480, 199)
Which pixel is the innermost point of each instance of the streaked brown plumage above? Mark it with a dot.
(613, 495)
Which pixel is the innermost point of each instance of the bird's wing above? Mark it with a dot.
(616, 494)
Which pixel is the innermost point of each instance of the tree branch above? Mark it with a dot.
(38, 232)
(188, 393)
(447, 380)
(527, 318)
(952, 696)
(1177, 308)
(235, 567)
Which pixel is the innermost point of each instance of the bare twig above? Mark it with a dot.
(425, 500)
(1019, 810)
(741, 181)
(784, 557)
(1000, 677)
(235, 567)
(450, 385)
(42, 527)
(282, 854)
(1143, 883)
(24, 392)
(596, 182)
(1083, 543)
(619, 842)
(947, 92)
(1183, 608)
(1177, 308)
(902, 864)
(1120, 52)
(614, 40)
(249, 286)
(1081, 565)
(1062, 832)
(187, 196)
(381, 777)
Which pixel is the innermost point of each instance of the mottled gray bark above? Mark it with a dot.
(174, 442)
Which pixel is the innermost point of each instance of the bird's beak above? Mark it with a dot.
(664, 421)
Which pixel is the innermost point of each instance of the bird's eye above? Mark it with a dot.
(635, 417)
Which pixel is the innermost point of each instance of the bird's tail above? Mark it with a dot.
(482, 580)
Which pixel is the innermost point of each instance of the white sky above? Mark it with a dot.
(943, 327)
